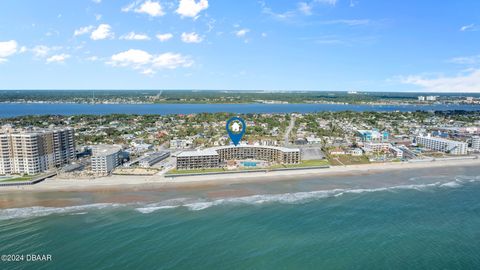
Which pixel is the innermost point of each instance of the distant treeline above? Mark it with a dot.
(208, 96)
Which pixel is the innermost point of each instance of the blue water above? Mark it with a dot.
(249, 163)
(17, 109)
(397, 220)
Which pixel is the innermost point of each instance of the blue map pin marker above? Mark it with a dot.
(236, 128)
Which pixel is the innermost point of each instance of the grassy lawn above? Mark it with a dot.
(175, 171)
(309, 163)
(305, 163)
(348, 160)
(276, 166)
(18, 179)
(435, 155)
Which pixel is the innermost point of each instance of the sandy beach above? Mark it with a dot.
(157, 181)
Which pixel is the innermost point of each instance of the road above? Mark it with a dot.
(289, 129)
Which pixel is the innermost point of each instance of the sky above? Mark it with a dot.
(328, 45)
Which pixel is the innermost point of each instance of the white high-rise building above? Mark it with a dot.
(35, 151)
(105, 158)
(476, 143)
(443, 145)
(5, 154)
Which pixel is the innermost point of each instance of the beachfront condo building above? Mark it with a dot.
(200, 159)
(215, 157)
(105, 158)
(383, 147)
(476, 143)
(153, 158)
(33, 151)
(443, 145)
(373, 135)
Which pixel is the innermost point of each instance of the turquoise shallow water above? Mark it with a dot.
(406, 222)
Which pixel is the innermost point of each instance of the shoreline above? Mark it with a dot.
(236, 103)
(222, 103)
(126, 183)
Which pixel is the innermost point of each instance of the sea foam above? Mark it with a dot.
(40, 211)
(452, 184)
(201, 204)
(295, 198)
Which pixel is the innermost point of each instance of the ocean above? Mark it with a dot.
(415, 219)
(19, 109)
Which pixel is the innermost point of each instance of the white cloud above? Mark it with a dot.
(466, 60)
(211, 25)
(48, 53)
(191, 37)
(470, 27)
(191, 8)
(41, 51)
(97, 1)
(264, 34)
(58, 58)
(153, 9)
(131, 57)
(354, 22)
(98, 17)
(148, 71)
(103, 31)
(279, 16)
(242, 32)
(463, 82)
(305, 8)
(83, 30)
(92, 58)
(171, 61)
(327, 2)
(7, 48)
(164, 37)
(135, 36)
(147, 63)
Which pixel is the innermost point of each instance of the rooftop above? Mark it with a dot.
(154, 156)
(30, 131)
(213, 151)
(283, 149)
(204, 152)
(105, 149)
(441, 139)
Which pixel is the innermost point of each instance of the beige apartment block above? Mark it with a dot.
(35, 151)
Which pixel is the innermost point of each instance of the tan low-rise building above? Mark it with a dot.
(215, 157)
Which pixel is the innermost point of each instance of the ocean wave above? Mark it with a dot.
(298, 197)
(167, 204)
(78, 213)
(201, 204)
(148, 210)
(465, 178)
(40, 211)
(452, 184)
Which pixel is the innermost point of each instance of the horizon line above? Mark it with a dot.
(238, 90)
